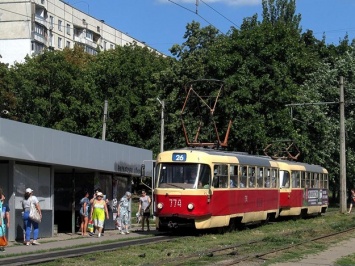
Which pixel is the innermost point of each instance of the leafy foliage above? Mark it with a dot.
(266, 65)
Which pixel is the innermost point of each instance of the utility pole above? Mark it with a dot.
(104, 121)
(342, 202)
(343, 205)
(162, 125)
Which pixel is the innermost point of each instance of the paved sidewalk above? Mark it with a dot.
(326, 257)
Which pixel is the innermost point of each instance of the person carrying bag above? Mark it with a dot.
(3, 240)
(34, 213)
(31, 220)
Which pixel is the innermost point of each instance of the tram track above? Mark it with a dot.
(236, 257)
(70, 252)
(230, 254)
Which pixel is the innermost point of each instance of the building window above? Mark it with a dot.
(111, 46)
(59, 42)
(98, 29)
(90, 50)
(37, 47)
(68, 44)
(42, 2)
(105, 46)
(68, 29)
(89, 35)
(60, 25)
(39, 30)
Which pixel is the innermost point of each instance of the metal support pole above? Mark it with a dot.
(104, 121)
(343, 205)
(162, 125)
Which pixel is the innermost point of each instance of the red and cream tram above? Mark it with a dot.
(207, 188)
(303, 189)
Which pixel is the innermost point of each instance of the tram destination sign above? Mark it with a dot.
(179, 157)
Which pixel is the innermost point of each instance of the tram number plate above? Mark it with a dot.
(175, 203)
(180, 157)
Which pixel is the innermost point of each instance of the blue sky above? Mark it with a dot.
(161, 23)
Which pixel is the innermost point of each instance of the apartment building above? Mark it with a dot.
(27, 27)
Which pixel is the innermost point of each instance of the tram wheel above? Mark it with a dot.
(222, 230)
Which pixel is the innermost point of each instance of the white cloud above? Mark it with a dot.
(228, 2)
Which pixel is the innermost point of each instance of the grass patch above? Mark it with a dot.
(267, 237)
(348, 260)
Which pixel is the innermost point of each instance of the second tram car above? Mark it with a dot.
(206, 188)
(303, 189)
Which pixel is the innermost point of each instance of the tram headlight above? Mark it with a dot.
(160, 205)
(190, 206)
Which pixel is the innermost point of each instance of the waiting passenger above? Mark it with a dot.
(191, 178)
(233, 182)
(267, 182)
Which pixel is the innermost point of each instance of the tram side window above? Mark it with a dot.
(251, 177)
(308, 180)
(321, 180)
(295, 176)
(220, 179)
(325, 185)
(284, 179)
(303, 179)
(243, 177)
(260, 177)
(268, 179)
(311, 180)
(274, 178)
(233, 176)
(316, 180)
(324, 181)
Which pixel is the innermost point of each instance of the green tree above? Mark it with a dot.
(8, 99)
(127, 77)
(53, 91)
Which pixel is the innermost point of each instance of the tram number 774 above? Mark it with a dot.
(175, 203)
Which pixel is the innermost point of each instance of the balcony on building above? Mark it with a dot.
(41, 15)
(86, 36)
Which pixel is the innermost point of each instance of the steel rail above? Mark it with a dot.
(70, 252)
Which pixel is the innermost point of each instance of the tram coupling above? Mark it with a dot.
(172, 225)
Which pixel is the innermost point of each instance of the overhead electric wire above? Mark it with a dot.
(196, 13)
(220, 14)
(266, 64)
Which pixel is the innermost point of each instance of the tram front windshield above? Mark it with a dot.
(194, 176)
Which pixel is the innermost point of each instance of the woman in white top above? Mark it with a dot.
(28, 223)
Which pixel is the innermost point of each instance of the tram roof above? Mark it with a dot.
(292, 165)
(261, 160)
(243, 157)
